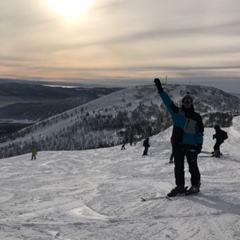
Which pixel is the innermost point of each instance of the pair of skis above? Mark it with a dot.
(155, 198)
(211, 154)
(186, 193)
(165, 197)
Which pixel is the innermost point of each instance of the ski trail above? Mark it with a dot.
(88, 213)
(214, 213)
(219, 234)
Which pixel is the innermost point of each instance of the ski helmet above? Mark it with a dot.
(187, 101)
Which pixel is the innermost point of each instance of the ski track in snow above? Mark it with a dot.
(96, 195)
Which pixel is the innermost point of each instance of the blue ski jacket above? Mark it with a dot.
(187, 124)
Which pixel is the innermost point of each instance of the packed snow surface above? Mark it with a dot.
(96, 194)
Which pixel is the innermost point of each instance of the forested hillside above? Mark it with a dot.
(126, 116)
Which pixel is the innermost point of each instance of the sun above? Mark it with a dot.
(70, 8)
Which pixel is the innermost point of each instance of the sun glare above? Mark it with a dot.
(70, 8)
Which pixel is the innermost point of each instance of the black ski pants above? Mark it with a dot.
(145, 152)
(216, 146)
(172, 156)
(179, 156)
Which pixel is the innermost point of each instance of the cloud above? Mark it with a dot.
(121, 40)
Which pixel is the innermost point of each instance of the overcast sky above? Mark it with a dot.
(122, 41)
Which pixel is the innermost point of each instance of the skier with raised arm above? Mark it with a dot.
(187, 140)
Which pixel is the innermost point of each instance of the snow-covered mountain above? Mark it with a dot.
(22, 105)
(33, 102)
(95, 194)
(127, 115)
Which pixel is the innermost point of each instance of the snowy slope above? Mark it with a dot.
(134, 112)
(95, 194)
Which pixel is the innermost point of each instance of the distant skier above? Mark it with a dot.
(187, 140)
(220, 137)
(146, 146)
(34, 154)
(123, 146)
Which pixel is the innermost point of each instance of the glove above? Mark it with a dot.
(198, 148)
(158, 85)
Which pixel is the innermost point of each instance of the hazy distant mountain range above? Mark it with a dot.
(21, 105)
(236, 94)
(55, 83)
(24, 104)
(127, 115)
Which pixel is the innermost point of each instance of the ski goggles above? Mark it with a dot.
(187, 100)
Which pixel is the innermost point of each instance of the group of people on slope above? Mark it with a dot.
(220, 137)
(186, 140)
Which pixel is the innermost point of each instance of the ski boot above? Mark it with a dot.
(192, 190)
(176, 191)
(216, 154)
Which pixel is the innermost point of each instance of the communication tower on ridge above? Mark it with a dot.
(164, 82)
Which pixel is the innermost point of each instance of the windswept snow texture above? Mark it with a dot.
(95, 194)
